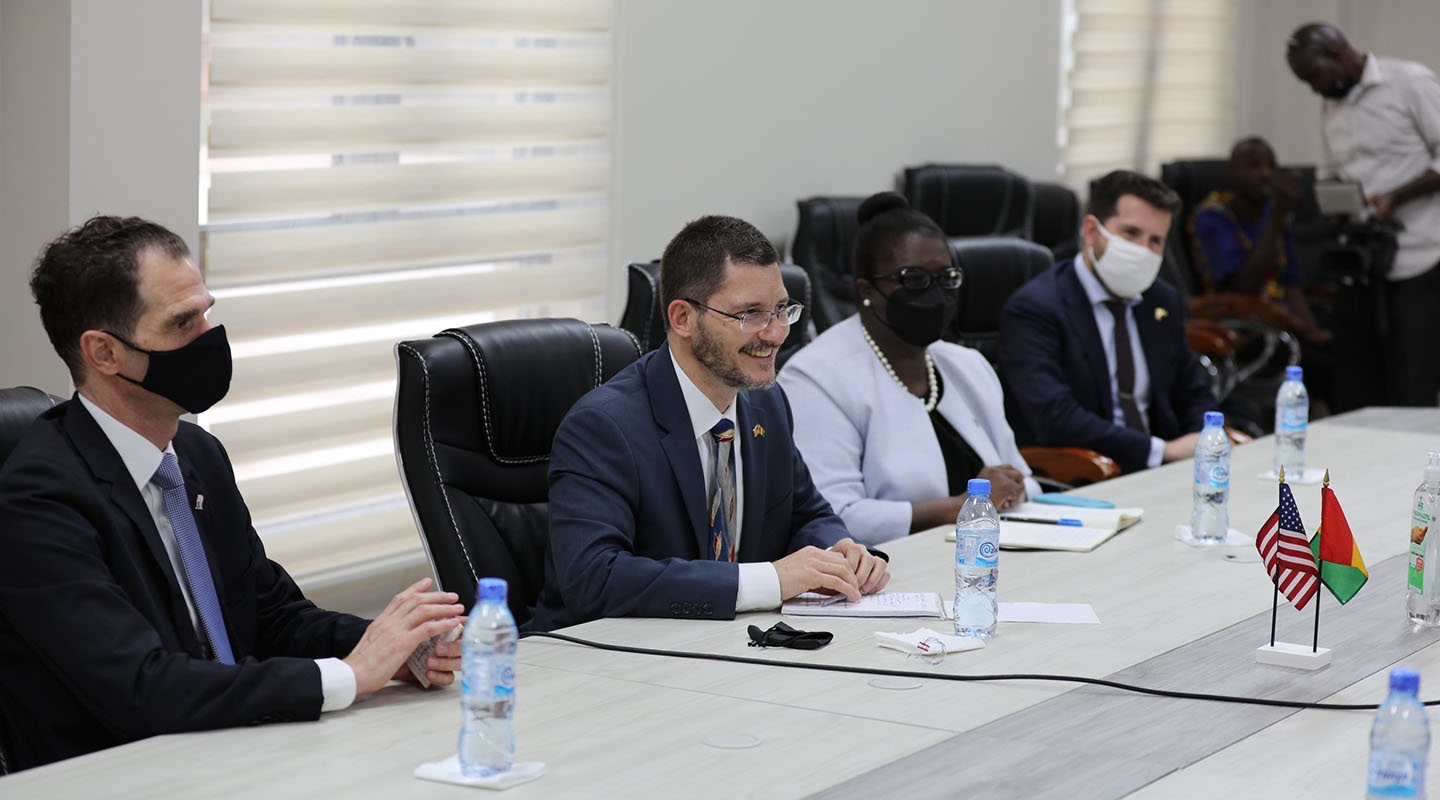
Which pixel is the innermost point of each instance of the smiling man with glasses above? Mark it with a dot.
(676, 489)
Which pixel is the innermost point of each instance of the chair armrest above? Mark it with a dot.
(1075, 466)
(1232, 305)
(1210, 338)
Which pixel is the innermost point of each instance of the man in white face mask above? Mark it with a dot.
(1093, 352)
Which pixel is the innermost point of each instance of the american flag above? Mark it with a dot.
(1286, 553)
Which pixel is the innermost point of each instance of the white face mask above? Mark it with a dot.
(1126, 269)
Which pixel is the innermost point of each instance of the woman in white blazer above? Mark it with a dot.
(891, 421)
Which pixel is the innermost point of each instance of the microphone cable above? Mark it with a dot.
(1018, 676)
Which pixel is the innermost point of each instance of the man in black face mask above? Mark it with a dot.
(1381, 127)
(135, 597)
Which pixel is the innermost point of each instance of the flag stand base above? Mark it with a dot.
(1297, 656)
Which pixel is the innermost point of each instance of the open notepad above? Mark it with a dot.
(1035, 526)
(882, 604)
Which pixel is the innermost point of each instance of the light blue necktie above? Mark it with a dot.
(192, 558)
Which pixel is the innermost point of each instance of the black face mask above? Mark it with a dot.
(920, 317)
(194, 377)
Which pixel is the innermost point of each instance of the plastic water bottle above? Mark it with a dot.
(1210, 516)
(1292, 414)
(487, 683)
(1399, 740)
(1422, 594)
(977, 562)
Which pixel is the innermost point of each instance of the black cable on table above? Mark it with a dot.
(1019, 676)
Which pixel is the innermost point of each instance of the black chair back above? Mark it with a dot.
(644, 319)
(994, 268)
(1057, 219)
(972, 200)
(823, 240)
(476, 410)
(19, 406)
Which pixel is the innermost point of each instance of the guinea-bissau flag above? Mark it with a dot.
(1342, 570)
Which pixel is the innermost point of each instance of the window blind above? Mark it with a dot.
(1147, 81)
(377, 170)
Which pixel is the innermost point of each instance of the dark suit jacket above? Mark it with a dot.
(96, 645)
(1057, 386)
(628, 513)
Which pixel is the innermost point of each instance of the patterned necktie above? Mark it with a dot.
(192, 558)
(722, 492)
(1125, 366)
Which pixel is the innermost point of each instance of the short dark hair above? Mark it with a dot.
(1106, 191)
(89, 279)
(885, 220)
(693, 264)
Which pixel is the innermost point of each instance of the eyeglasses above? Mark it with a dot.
(919, 279)
(756, 321)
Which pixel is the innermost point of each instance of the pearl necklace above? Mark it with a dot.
(932, 398)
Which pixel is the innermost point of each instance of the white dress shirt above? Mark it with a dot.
(141, 459)
(1384, 134)
(1105, 321)
(759, 583)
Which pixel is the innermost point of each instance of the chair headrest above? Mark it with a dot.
(495, 393)
(19, 406)
(994, 268)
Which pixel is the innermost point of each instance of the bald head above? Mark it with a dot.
(1251, 170)
(1320, 55)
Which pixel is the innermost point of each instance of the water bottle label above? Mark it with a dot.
(505, 681)
(989, 554)
(1294, 419)
(1420, 520)
(1395, 775)
(1219, 477)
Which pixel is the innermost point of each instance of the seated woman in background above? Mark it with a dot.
(891, 421)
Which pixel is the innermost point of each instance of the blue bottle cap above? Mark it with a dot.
(1214, 419)
(1294, 373)
(978, 487)
(1404, 679)
(493, 589)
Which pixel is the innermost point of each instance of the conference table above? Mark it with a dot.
(1172, 617)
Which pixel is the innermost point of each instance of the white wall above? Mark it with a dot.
(743, 107)
(99, 114)
(1273, 104)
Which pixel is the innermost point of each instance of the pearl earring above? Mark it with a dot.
(865, 302)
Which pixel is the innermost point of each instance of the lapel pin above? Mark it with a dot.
(758, 431)
(1161, 313)
(199, 502)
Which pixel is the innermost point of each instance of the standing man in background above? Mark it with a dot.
(1381, 127)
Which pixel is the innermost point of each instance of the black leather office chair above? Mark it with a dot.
(822, 243)
(476, 410)
(972, 200)
(644, 319)
(1057, 219)
(994, 268)
(19, 406)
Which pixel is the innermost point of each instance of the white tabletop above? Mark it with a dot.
(625, 725)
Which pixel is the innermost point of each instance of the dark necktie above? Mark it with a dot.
(192, 558)
(1125, 366)
(722, 492)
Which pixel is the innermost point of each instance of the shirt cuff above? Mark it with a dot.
(1157, 452)
(337, 684)
(759, 587)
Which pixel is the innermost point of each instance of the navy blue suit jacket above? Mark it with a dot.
(629, 524)
(1057, 386)
(96, 645)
